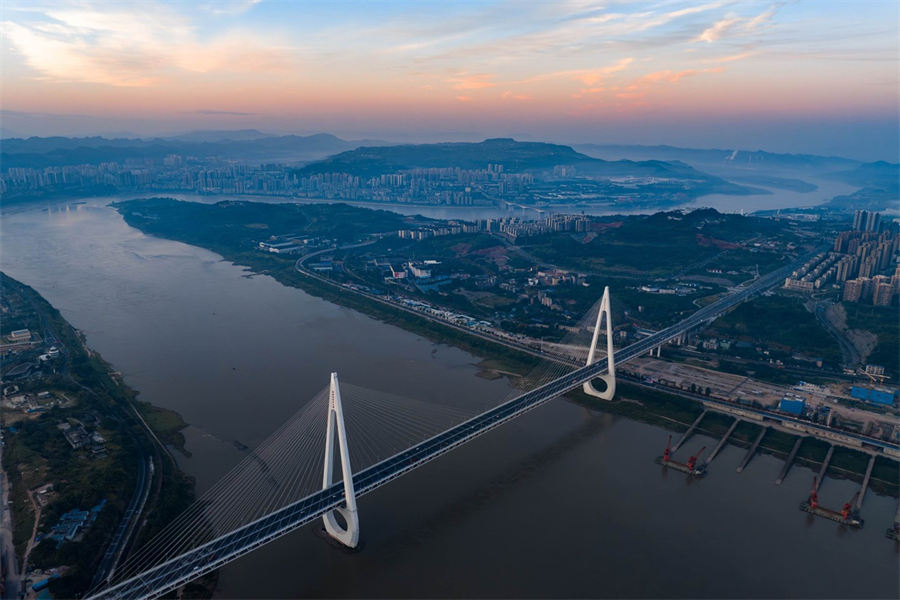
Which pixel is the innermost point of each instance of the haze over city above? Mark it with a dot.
(812, 77)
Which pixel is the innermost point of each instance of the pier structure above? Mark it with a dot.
(690, 431)
(752, 449)
(788, 462)
(824, 467)
(722, 441)
(865, 483)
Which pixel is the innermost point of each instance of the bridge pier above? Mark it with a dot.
(349, 535)
(610, 377)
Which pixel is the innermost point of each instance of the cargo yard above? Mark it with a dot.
(868, 410)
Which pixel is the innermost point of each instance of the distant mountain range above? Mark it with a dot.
(243, 145)
(879, 175)
(751, 159)
(709, 170)
(877, 181)
(514, 156)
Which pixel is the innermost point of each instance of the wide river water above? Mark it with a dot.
(562, 502)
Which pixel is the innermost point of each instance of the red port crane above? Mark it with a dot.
(667, 454)
(692, 461)
(814, 494)
(848, 507)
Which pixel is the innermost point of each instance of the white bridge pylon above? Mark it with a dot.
(349, 535)
(610, 377)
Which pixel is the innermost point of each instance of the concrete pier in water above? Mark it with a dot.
(690, 430)
(824, 467)
(789, 461)
(865, 483)
(721, 443)
(752, 449)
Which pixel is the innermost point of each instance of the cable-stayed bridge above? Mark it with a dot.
(214, 532)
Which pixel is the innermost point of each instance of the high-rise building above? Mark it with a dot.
(873, 221)
(852, 290)
(864, 220)
(882, 293)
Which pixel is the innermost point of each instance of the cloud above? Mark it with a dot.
(466, 81)
(761, 19)
(228, 7)
(720, 28)
(731, 58)
(509, 95)
(139, 45)
(738, 25)
(641, 88)
(224, 112)
(593, 77)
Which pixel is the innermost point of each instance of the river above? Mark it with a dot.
(562, 502)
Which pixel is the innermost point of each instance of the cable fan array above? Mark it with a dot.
(288, 465)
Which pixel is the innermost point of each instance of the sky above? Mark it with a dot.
(813, 76)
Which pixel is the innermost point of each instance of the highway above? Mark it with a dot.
(179, 570)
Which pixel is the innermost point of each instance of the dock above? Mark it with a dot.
(893, 532)
(824, 467)
(694, 471)
(690, 431)
(752, 449)
(722, 441)
(789, 461)
(865, 483)
(825, 513)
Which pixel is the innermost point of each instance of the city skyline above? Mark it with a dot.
(808, 77)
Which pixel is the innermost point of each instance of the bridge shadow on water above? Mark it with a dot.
(508, 481)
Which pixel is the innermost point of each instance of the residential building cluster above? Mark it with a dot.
(879, 290)
(510, 227)
(430, 231)
(515, 228)
(865, 220)
(441, 186)
(859, 261)
(132, 173)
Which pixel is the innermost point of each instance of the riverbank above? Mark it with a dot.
(652, 406)
(84, 395)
